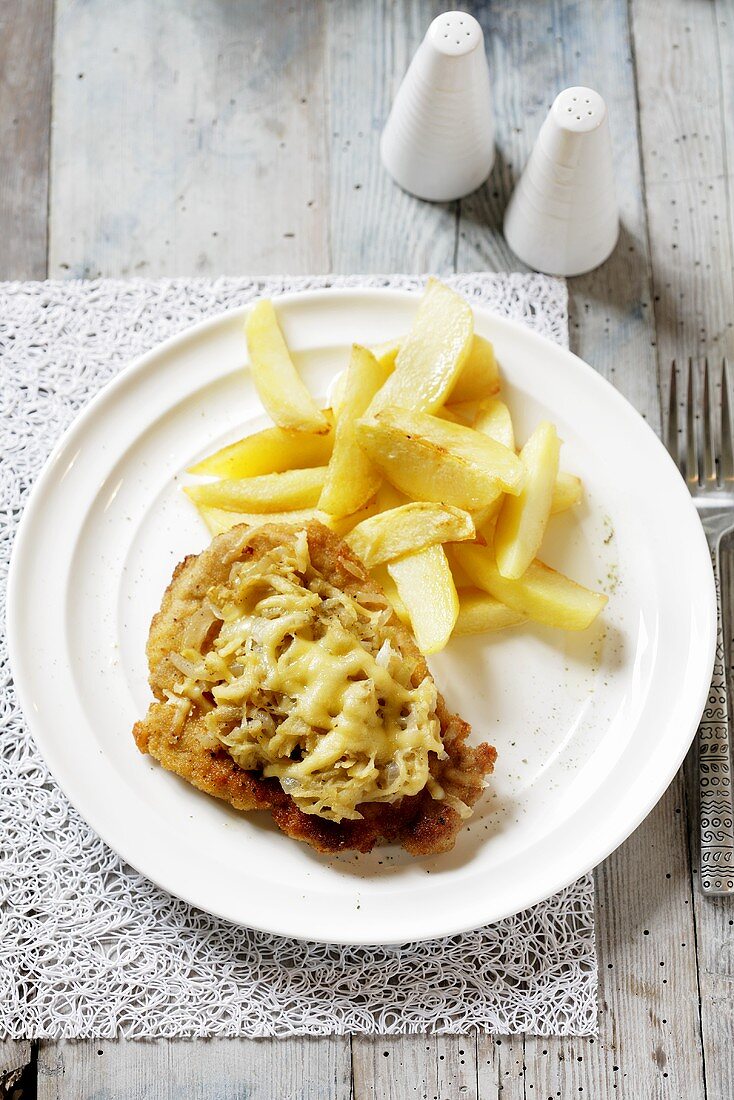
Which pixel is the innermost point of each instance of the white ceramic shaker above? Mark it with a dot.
(438, 142)
(563, 217)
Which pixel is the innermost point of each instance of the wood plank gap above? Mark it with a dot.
(49, 182)
(724, 142)
(457, 228)
(643, 186)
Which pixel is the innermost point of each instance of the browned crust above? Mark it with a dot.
(422, 825)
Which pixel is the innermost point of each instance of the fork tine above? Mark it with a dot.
(707, 441)
(690, 466)
(672, 438)
(726, 463)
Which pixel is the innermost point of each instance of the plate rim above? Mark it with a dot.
(141, 363)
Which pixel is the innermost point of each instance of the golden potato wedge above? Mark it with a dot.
(408, 529)
(384, 354)
(426, 587)
(493, 418)
(352, 478)
(462, 412)
(486, 515)
(523, 519)
(541, 593)
(461, 577)
(276, 379)
(270, 451)
(567, 491)
(342, 525)
(389, 497)
(432, 354)
(267, 493)
(218, 520)
(479, 377)
(445, 413)
(431, 459)
(389, 587)
(480, 613)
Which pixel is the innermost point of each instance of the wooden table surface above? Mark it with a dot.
(201, 137)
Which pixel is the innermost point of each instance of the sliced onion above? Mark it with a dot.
(197, 628)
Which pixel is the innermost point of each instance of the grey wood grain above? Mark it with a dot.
(373, 225)
(683, 112)
(189, 138)
(26, 30)
(685, 87)
(406, 1066)
(501, 1068)
(200, 1069)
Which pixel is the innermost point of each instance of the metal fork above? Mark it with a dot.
(701, 445)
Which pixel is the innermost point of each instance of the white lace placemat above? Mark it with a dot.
(88, 947)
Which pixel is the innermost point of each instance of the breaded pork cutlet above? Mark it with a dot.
(198, 737)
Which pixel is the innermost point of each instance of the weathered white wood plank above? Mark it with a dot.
(404, 1067)
(725, 43)
(189, 138)
(649, 1039)
(373, 225)
(501, 1068)
(201, 1069)
(682, 128)
(685, 64)
(26, 31)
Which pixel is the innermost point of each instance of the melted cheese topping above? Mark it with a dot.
(302, 683)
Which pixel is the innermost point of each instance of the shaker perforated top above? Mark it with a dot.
(455, 33)
(579, 110)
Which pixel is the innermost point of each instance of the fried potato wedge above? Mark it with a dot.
(389, 497)
(267, 493)
(218, 520)
(493, 419)
(523, 519)
(480, 613)
(270, 451)
(479, 376)
(407, 530)
(541, 593)
(351, 477)
(431, 459)
(384, 354)
(446, 413)
(567, 491)
(433, 353)
(276, 379)
(426, 587)
(389, 587)
(484, 516)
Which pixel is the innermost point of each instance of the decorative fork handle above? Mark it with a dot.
(715, 763)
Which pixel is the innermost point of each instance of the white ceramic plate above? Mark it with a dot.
(590, 728)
